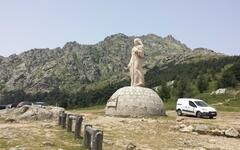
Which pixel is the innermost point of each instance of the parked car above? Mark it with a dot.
(194, 107)
(40, 103)
(23, 103)
(2, 107)
(14, 105)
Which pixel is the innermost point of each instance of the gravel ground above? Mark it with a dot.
(149, 133)
(155, 133)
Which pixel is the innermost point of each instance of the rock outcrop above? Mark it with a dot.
(207, 129)
(30, 113)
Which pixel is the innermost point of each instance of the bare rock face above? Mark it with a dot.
(134, 102)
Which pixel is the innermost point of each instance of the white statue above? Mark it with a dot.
(135, 64)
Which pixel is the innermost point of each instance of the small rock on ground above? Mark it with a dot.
(179, 119)
(48, 143)
(187, 129)
(201, 128)
(131, 146)
(231, 132)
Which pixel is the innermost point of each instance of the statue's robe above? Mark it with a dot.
(135, 66)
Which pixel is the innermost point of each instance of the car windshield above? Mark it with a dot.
(201, 103)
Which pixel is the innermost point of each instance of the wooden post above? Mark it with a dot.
(64, 115)
(78, 125)
(97, 142)
(60, 117)
(69, 123)
(92, 138)
(87, 137)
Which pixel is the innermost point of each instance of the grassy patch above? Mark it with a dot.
(98, 109)
(66, 141)
(2, 120)
(6, 144)
(37, 138)
(227, 108)
(3, 143)
(92, 107)
(170, 104)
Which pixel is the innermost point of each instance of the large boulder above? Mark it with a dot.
(134, 102)
(219, 91)
(31, 113)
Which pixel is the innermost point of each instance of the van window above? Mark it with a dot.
(192, 104)
(201, 103)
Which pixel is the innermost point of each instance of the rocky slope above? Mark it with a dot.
(76, 65)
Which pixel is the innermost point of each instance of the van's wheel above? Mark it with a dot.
(179, 112)
(199, 114)
(210, 117)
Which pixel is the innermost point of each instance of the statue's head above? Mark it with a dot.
(137, 42)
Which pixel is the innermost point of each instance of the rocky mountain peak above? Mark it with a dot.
(12, 56)
(202, 50)
(152, 37)
(1, 57)
(170, 38)
(116, 36)
(71, 45)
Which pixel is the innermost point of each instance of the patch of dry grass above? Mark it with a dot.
(98, 110)
(36, 137)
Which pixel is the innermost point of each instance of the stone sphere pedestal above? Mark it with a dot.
(133, 101)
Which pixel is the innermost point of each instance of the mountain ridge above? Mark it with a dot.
(74, 66)
(168, 37)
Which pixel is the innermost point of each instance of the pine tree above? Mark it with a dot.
(164, 93)
(202, 84)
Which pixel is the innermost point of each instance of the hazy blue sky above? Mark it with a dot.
(27, 24)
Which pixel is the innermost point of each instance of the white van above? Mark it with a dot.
(195, 107)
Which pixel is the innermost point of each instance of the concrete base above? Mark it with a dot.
(134, 102)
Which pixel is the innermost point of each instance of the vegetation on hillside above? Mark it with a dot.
(197, 79)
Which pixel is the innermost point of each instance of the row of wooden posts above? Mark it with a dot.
(92, 137)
